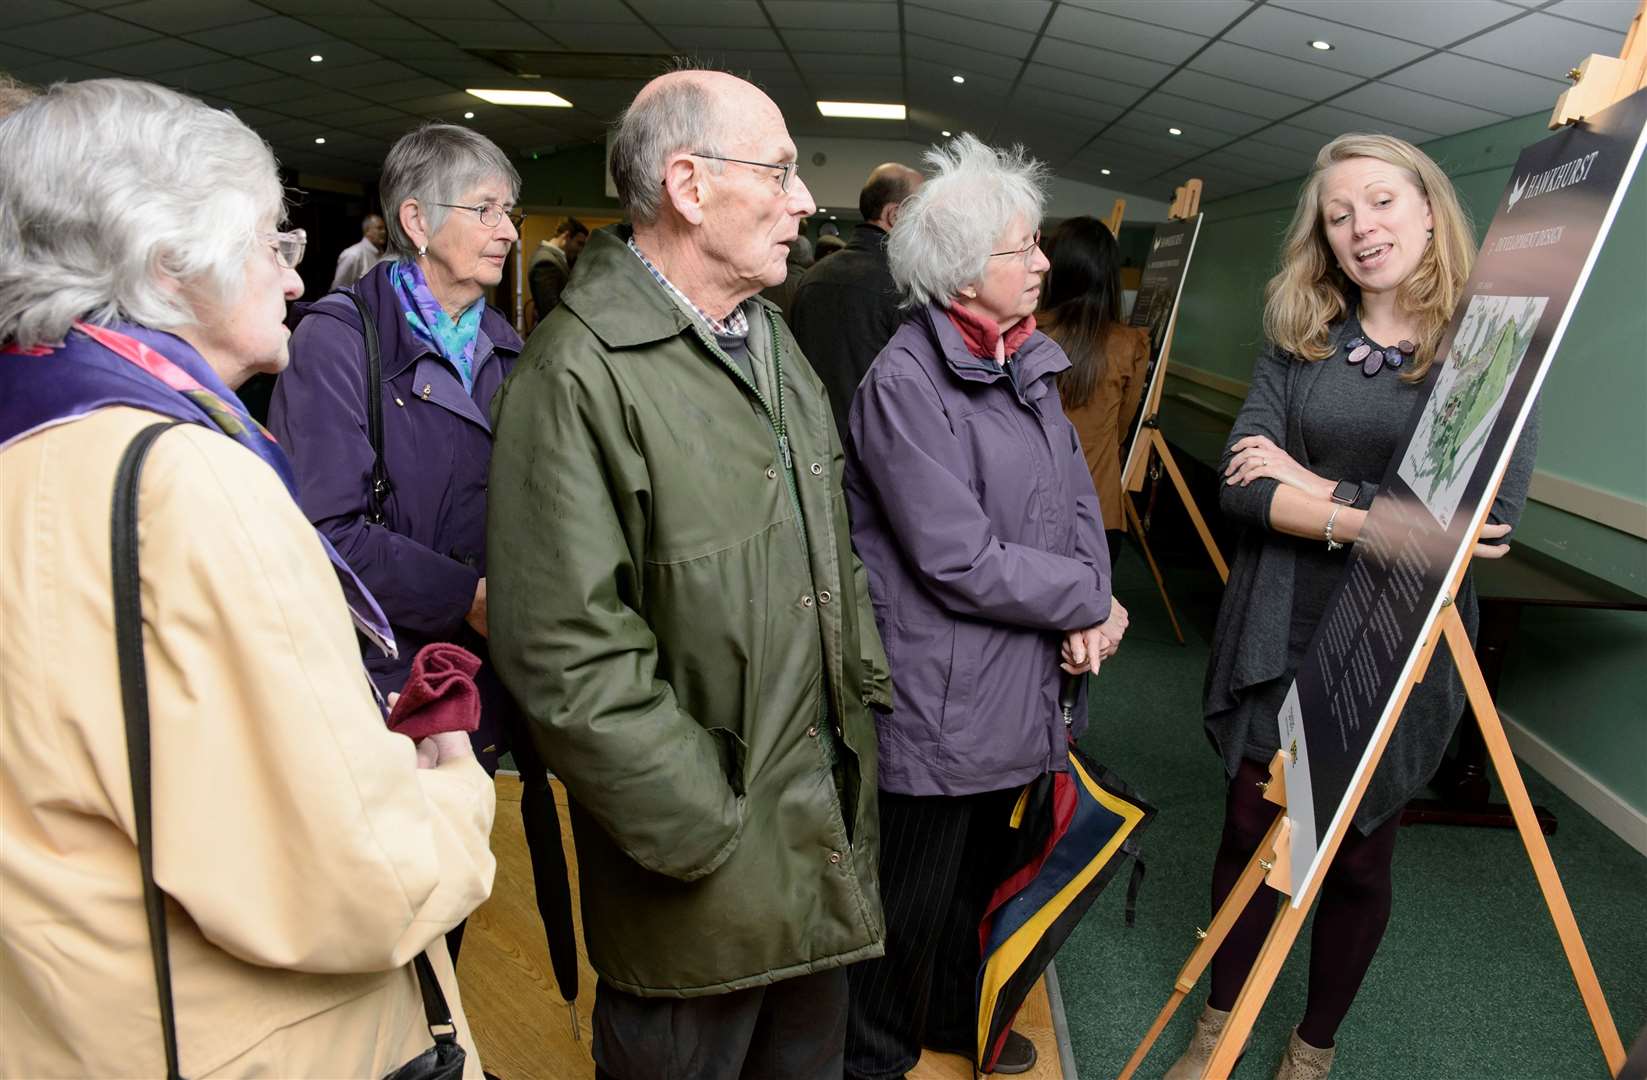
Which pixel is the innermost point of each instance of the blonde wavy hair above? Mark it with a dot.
(1310, 292)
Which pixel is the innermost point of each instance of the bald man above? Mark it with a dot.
(360, 257)
(675, 604)
(846, 306)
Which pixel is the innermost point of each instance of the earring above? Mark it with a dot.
(1429, 234)
(422, 251)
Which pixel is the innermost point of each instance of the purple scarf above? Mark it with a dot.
(98, 367)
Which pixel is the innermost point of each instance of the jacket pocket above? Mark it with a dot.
(734, 756)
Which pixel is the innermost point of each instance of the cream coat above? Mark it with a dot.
(306, 857)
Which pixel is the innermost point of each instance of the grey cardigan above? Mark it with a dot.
(1249, 645)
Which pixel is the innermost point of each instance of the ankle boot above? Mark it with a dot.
(1208, 1026)
(1303, 1061)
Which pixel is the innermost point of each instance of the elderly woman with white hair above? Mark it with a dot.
(975, 515)
(248, 890)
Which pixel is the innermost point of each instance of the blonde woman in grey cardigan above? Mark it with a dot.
(1378, 252)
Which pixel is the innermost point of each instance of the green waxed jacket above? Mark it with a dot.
(674, 601)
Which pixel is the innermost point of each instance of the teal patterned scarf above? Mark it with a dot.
(453, 339)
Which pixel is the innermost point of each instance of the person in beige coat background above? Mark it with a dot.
(306, 854)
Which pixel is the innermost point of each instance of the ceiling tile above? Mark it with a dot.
(968, 32)
(933, 81)
(76, 35)
(712, 38)
(55, 69)
(1199, 86)
(389, 93)
(389, 31)
(820, 67)
(1020, 14)
(700, 12)
(1298, 139)
(1036, 102)
(1098, 30)
(827, 41)
(1090, 62)
(371, 73)
(488, 33)
(1331, 121)
(1075, 84)
(961, 58)
(1262, 159)
(1543, 45)
(262, 35)
(23, 12)
(1226, 160)
(832, 16)
(268, 93)
(365, 113)
(1193, 140)
(182, 16)
(1607, 14)
(1204, 17)
(1423, 21)
(842, 87)
(606, 37)
(1476, 82)
(485, 10)
(295, 60)
(1389, 102)
(219, 74)
(1280, 73)
(155, 57)
(1356, 51)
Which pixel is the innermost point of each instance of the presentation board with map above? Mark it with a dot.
(1537, 255)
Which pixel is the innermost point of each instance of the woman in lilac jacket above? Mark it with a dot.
(974, 513)
(448, 197)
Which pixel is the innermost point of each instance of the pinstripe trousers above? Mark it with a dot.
(940, 860)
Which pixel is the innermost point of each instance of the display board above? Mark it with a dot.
(1537, 256)
(1159, 290)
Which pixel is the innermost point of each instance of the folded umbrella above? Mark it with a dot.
(1075, 829)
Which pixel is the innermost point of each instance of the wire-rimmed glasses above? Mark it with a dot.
(288, 246)
(1026, 253)
(491, 214)
(786, 169)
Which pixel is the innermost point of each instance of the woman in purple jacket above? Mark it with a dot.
(448, 196)
(974, 513)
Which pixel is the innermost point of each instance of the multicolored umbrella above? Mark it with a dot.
(1076, 828)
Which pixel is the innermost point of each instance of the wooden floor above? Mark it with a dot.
(524, 1029)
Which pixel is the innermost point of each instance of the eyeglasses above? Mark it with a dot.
(288, 246)
(786, 170)
(491, 215)
(1025, 253)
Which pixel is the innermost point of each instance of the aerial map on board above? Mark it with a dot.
(1486, 351)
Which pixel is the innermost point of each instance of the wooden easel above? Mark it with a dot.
(1617, 78)
(1186, 203)
(1116, 212)
(1270, 865)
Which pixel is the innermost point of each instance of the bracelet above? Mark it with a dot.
(1332, 519)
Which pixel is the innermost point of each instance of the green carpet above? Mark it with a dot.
(1470, 981)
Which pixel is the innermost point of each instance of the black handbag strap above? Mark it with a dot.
(134, 699)
(380, 487)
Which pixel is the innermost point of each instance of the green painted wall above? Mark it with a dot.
(1577, 679)
(569, 176)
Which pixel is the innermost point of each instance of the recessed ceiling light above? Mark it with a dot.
(945, 134)
(831, 217)
(316, 58)
(1324, 46)
(320, 140)
(957, 78)
(823, 209)
(522, 97)
(1175, 131)
(1104, 171)
(468, 116)
(862, 110)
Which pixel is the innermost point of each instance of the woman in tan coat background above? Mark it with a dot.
(306, 855)
(1081, 311)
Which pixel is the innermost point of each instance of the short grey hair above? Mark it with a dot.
(110, 188)
(946, 230)
(678, 115)
(436, 164)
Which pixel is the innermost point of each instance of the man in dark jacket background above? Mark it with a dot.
(846, 307)
(677, 607)
(552, 264)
